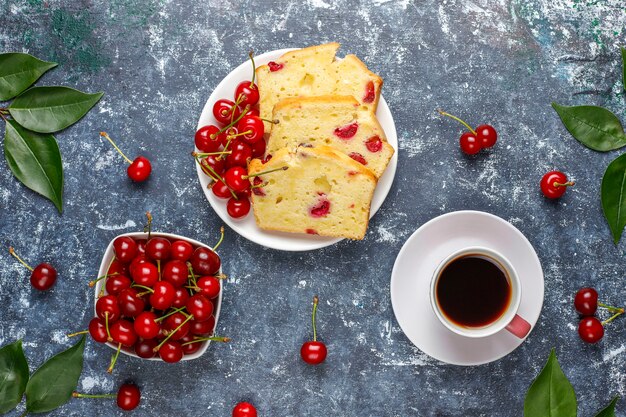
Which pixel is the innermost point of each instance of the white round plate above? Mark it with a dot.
(247, 227)
(416, 263)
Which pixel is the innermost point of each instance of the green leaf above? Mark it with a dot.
(551, 394)
(52, 384)
(35, 160)
(50, 109)
(609, 410)
(13, 376)
(613, 193)
(593, 126)
(19, 71)
(624, 67)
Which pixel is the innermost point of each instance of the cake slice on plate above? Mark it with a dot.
(315, 71)
(321, 192)
(337, 121)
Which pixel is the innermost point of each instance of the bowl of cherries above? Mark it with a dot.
(158, 297)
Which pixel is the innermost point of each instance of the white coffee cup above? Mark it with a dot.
(509, 320)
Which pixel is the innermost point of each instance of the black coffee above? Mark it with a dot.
(473, 291)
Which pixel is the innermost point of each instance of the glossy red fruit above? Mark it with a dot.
(231, 131)
(190, 348)
(240, 155)
(486, 135)
(125, 249)
(116, 283)
(244, 409)
(210, 286)
(158, 248)
(128, 397)
(347, 131)
(145, 348)
(235, 179)
(554, 184)
(469, 143)
(586, 301)
(258, 148)
(205, 262)
(202, 328)
(216, 163)
(252, 128)
(139, 259)
(172, 322)
(238, 208)
(370, 93)
(221, 190)
(43, 277)
(247, 93)
(118, 268)
(97, 330)
(145, 274)
(139, 170)
(141, 246)
(275, 66)
(181, 250)
(180, 298)
(175, 272)
(146, 326)
(171, 352)
(253, 112)
(122, 331)
(131, 305)
(223, 111)
(590, 329)
(200, 307)
(163, 295)
(313, 352)
(108, 304)
(207, 138)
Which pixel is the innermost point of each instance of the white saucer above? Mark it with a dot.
(416, 263)
(247, 227)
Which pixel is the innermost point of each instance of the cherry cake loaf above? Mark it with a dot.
(315, 71)
(337, 121)
(322, 191)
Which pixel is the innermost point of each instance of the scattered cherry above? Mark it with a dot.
(554, 184)
(586, 301)
(314, 352)
(128, 396)
(469, 143)
(42, 277)
(244, 409)
(590, 329)
(139, 169)
(484, 136)
(487, 135)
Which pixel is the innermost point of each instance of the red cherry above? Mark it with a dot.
(240, 155)
(358, 157)
(118, 268)
(347, 131)
(590, 329)
(202, 328)
(172, 322)
(230, 132)
(223, 111)
(171, 352)
(370, 92)
(116, 283)
(247, 93)
(217, 164)
(253, 112)
(158, 248)
(190, 348)
(128, 397)
(175, 272)
(274, 66)
(313, 353)
(181, 250)
(43, 277)
(145, 348)
(251, 128)
(469, 143)
(207, 138)
(180, 298)
(97, 330)
(131, 305)
(374, 144)
(145, 274)
(235, 178)
(146, 326)
(244, 409)
(139, 170)
(163, 295)
(205, 262)
(108, 304)
(122, 331)
(139, 259)
(221, 190)
(554, 184)
(141, 246)
(247, 193)
(200, 307)
(258, 148)
(586, 301)
(125, 249)
(238, 208)
(487, 135)
(210, 286)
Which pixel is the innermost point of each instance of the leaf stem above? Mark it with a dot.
(12, 252)
(106, 136)
(443, 113)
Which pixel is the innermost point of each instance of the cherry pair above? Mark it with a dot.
(590, 329)
(472, 142)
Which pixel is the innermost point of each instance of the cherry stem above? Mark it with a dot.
(101, 293)
(219, 242)
(204, 339)
(247, 132)
(204, 169)
(613, 317)
(107, 137)
(245, 177)
(610, 308)
(78, 333)
(93, 283)
(194, 154)
(80, 395)
(193, 276)
(12, 252)
(143, 287)
(251, 55)
(170, 334)
(263, 184)
(177, 310)
(234, 122)
(149, 225)
(443, 113)
(563, 184)
(114, 358)
(106, 326)
(315, 301)
(274, 122)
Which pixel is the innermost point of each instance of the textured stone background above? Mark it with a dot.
(498, 61)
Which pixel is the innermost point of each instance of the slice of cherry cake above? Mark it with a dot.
(337, 121)
(322, 192)
(315, 71)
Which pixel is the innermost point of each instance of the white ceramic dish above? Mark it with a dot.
(104, 266)
(424, 251)
(247, 227)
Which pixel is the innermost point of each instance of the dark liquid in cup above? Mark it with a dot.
(473, 290)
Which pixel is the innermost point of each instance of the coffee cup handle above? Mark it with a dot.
(519, 327)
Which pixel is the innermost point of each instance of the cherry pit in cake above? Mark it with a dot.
(370, 143)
